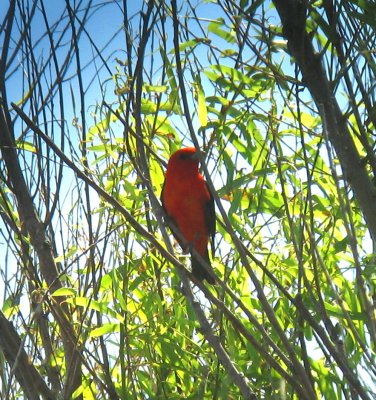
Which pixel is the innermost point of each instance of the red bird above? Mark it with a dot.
(188, 202)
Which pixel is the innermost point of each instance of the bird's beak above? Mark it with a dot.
(198, 155)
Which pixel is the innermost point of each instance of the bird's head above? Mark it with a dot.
(184, 159)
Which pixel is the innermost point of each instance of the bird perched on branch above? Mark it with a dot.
(190, 206)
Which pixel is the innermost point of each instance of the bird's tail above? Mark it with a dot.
(201, 272)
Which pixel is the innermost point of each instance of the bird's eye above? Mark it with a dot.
(184, 156)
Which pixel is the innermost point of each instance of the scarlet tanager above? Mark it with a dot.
(190, 206)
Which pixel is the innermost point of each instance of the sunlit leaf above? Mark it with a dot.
(104, 330)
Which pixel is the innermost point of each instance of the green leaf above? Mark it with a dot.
(201, 104)
(155, 88)
(27, 146)
(219, 28)
(64, 291)
(91, 304)
(105, 329)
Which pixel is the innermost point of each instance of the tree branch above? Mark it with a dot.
(34, 228)
(29, 378)
(293, 14)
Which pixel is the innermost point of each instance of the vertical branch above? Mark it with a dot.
(293, 15)
(34, 228)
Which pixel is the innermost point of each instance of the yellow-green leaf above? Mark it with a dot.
(104, 329)
(201, 105)
(64, 291)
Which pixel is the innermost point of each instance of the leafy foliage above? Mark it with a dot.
(293, 316)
